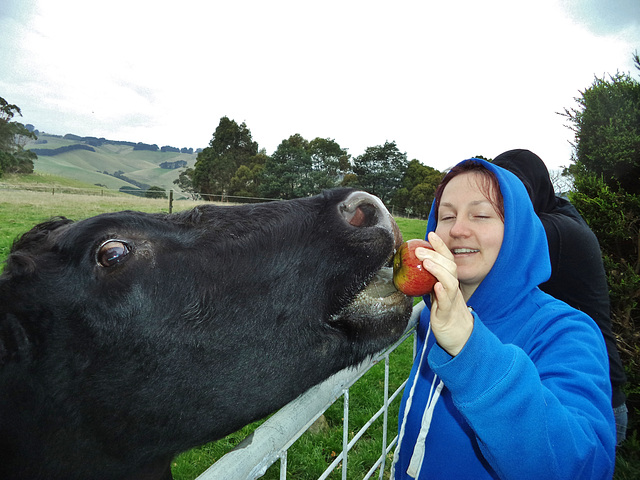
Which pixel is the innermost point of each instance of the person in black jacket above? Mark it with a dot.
(577, 272)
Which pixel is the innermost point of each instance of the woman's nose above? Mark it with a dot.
(460, 228)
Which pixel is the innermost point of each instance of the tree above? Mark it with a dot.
(606, 124)
(329, 162)
(247, 179)
(155, 192)
(185, 183)
(561, 182)
(299, 168)
(13, 136)
(241, 182)
(350, 180)
(231, 147)
(143, 146)
(380, 170)
(418, 189)
(287, 173)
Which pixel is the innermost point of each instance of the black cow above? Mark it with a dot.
(128, 337)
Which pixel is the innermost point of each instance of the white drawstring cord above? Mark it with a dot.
(430, 406)
(415, 465)
(417, 457)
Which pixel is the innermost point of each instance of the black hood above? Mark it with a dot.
(532, 171)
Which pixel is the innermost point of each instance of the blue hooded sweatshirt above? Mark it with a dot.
(529, 395)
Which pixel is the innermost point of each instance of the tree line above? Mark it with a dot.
(234, 165)
(50, 152)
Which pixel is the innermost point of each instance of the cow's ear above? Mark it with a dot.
(21, 261)
(38, 233)
(15, 344)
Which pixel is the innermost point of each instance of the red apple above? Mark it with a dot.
(409, 276)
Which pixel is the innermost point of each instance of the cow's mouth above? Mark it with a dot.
(380, 294)
(378, 297)
(379, 305)
(381, 287)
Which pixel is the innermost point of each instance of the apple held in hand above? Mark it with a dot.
(409, 275)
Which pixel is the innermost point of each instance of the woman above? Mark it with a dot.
(508, 381)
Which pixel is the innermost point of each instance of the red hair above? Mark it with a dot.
(489, 184)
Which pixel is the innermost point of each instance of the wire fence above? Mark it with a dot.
(53, 189)
(170, 195)
(151, 193)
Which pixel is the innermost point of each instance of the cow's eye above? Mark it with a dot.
(112, 252)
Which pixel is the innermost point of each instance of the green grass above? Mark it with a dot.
(20, 210)
(411, 228)
(42, 180)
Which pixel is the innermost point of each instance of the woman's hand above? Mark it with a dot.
(451, 321)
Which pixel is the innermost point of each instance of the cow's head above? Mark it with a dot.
(139, 335)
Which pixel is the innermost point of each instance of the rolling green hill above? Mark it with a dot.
(135, 167)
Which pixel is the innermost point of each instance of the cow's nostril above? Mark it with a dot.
(364, 216)
(357, 219)
(363, 210)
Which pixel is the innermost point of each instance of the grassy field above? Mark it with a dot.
(313, 452)
(20, 210)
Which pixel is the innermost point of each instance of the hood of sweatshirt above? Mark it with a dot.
(532, 171)
(523, 262)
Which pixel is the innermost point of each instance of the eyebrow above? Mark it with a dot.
(474, 203)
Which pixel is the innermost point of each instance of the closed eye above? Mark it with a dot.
(112, 252)
(485, 215)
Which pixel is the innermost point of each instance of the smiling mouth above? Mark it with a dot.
(461, 251)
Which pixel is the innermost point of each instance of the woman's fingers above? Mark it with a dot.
(450, 320)
(439, 262)
(439, 246)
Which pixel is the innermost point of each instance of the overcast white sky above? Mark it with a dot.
(444, 80)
